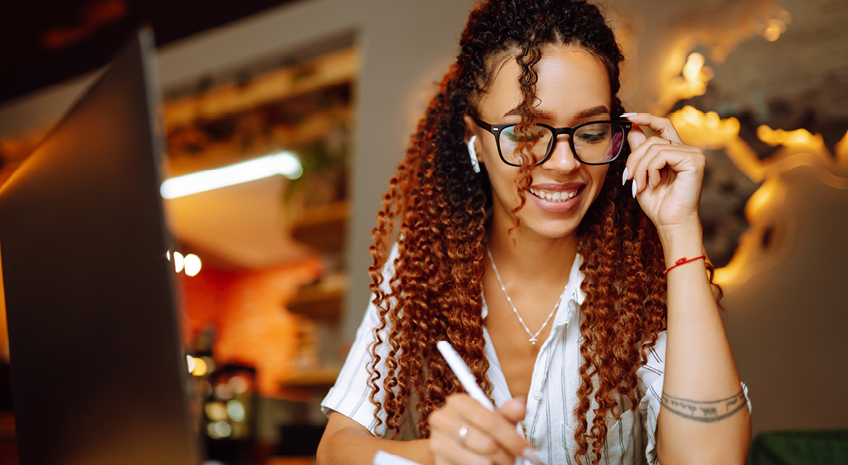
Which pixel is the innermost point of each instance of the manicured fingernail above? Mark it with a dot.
(530, 454)
(624, 176)
(634, 188)
(628, 115)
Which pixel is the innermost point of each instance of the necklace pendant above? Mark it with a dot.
(533, 340)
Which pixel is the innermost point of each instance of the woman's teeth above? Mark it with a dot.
(554, 196)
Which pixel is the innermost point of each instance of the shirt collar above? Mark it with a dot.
(572, 295)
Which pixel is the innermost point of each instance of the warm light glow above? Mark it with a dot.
(797, 138)
(219, 429)
(706, 130)
(841, 149)
(192, 264)
(199, 367)
(168, 255)
(284, 163)
(223, 391)
(190, 361)
(772, 190)
(764, 209)
(239, 384)
(210, 364)
(179, 262)
(691, 81)
(236, 410)
(692, 68)
(216, 411)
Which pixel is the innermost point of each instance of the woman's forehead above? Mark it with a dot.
(571, 80)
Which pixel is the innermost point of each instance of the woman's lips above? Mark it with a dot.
(557, 200)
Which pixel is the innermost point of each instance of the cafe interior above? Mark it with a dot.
(269, 271)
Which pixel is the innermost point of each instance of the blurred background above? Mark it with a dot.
(273, 272)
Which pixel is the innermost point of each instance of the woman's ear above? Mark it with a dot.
(470, 127)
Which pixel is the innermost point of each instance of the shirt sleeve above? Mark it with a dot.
(650, 387)
(350, 396)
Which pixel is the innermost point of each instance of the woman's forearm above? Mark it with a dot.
(346, 442)
(704, 416)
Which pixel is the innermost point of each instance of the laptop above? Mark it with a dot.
(99, 375)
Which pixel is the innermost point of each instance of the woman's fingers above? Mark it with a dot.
(660, 157)
(663, 126)
(636, 137)
(487, 434)
(476, 447)
(646, 165)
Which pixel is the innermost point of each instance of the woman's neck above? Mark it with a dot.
(527, 254)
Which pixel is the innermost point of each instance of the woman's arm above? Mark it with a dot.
(704, 416)
(347, 442)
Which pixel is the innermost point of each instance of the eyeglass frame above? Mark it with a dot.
(495, 130)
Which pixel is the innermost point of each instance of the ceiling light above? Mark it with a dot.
(284, 163)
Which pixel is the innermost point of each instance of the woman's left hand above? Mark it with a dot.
(667, 174)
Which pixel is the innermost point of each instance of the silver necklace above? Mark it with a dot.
(533, 337)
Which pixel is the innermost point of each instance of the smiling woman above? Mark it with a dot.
(519, 246)
(559, 170)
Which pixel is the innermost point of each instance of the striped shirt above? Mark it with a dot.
(549, 422)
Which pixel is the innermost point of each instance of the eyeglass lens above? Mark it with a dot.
(592, 143)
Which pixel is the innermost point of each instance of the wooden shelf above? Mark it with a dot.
(327, 70)
(322, 300)
(317, 378)
(323, 227)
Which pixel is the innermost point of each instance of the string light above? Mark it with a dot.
(179, 262)
(192, 264)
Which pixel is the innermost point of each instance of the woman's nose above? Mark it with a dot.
(562, 158)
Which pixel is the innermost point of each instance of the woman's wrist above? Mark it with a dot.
(684, 241)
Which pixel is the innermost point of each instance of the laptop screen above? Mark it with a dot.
(98, 372)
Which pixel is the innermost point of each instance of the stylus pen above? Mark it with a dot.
(468, 382)
(462, 372)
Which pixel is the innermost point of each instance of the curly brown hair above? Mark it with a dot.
(440, 203)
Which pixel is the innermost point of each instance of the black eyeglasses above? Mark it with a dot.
(592, 142)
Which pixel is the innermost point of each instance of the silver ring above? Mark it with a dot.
(463, 434)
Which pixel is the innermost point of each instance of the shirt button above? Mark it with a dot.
(537, 395)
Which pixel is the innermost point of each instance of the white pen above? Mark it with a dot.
(460, 369)
(462, 372)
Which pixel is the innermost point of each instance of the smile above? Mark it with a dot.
(559, 196)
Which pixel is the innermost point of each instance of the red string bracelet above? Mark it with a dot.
(683, 261)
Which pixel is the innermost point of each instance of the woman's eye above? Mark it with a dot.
(594, 135)
(510, 134)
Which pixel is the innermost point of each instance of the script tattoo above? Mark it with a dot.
(705, 411)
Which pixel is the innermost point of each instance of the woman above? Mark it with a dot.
(519, 244)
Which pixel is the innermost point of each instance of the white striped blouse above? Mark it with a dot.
(549, 422)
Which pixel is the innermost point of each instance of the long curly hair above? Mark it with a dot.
(435, 210)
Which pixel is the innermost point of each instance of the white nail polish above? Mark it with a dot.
(634, 188)
(650, 182)
(628, 115)
(624, 176)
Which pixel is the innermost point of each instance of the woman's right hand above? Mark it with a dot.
(465, 432)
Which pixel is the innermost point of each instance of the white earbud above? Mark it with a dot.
(473, 154)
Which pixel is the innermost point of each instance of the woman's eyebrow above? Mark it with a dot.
(594, 111)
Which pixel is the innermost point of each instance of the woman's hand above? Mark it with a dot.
(667, 175)
(465, 432)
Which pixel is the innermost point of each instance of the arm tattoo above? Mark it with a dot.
(705, 411)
